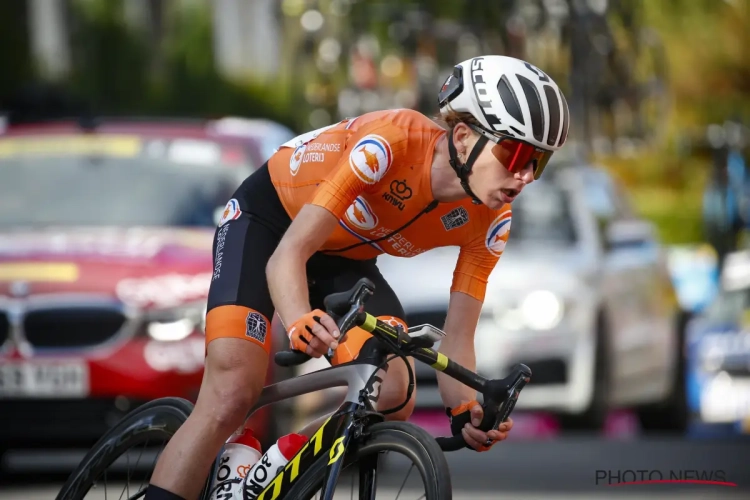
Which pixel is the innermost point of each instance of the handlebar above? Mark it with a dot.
(499, 395)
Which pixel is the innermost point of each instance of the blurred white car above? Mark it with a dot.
(262, 136)
(581, 295)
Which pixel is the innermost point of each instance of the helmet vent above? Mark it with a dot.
(566, 121)
(554, 114)
(509, 99)
(535, 107)
(519, 132)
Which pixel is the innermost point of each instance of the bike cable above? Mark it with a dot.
(410, 390)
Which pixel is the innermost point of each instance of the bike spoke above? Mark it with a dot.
(405, 479)
(152, 465)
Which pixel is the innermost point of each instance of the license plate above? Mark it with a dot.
(51, 380)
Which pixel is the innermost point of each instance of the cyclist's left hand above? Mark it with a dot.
(478, 439)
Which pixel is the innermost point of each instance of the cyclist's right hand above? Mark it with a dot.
(314, 333)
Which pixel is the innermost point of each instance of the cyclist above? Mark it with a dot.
(313, 220)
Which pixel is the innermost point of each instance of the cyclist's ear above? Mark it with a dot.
(464, 138)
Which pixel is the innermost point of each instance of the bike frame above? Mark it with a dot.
(336, 433)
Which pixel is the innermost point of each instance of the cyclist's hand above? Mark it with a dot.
(314, 333)
(467, 417)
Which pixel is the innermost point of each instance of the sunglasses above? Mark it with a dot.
(515, 154)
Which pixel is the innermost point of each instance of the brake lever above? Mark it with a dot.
(346, 321)
(497, 412)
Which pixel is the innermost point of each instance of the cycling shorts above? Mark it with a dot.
(239, 303)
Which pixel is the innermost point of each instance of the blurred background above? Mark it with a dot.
(126, 125)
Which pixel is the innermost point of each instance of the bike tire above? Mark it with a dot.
(403, 437)
(158, 418)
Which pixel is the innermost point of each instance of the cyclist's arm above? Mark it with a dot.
(458, 345)
(286, 270)
(475, 263)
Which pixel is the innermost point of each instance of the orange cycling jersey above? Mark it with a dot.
(373, 173)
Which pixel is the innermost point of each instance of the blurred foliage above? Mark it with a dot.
(16, 35)
(120, 69)
(708, 49)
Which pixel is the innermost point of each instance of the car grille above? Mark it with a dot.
(4, 328)
(72, 327)
(548, 371)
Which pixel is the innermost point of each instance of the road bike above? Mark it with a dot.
(352, 439)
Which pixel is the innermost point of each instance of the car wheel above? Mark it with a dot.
(595, 416)
(672, 415)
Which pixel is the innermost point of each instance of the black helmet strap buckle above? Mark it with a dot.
(464, 169)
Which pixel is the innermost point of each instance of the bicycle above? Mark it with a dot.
(354, 434)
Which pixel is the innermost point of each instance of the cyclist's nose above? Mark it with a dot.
(526, 175)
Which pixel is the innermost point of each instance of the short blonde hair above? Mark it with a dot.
(452, 118)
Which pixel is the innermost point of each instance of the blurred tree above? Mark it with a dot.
(109, 62)
(15, 56)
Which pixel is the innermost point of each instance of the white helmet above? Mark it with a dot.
(508, 97)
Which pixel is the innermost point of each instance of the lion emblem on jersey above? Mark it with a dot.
(371, 158)
(497, 234)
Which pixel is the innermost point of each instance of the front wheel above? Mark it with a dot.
(389, 462)
(124, 445)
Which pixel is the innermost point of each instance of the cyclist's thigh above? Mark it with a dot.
(239, 303)
(332, 275)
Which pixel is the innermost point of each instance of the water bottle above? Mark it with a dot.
(271, 463)
(241, 451)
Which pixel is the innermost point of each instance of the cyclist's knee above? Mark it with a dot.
(348, 350)
(395, 391)
(234, 377)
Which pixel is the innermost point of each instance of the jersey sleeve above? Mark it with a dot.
(369, 155)
(479, 256)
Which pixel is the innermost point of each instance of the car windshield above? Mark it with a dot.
(542, 213)
(81, 190)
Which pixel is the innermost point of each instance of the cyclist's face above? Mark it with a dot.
(491, 180)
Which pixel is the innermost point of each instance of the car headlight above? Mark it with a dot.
(538, 310)
(541, 310)
(170, 325)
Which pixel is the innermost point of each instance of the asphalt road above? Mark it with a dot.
(564, 467)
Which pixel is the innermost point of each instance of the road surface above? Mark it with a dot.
(567, 467)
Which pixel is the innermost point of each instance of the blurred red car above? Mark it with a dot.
(105, 261)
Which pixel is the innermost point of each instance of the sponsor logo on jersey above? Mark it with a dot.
(455, 218)
(231, 212)
(296, 160)
(399, 244)
(221, 238)
(497, 234)
(256, 327)
(371, 158)
(400, 192)
(361, 215)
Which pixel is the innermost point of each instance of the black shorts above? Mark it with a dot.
(239, 303)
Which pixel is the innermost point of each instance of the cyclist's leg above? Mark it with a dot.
(383, 304)
(238, 342)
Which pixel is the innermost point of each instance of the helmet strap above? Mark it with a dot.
(464, 169)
